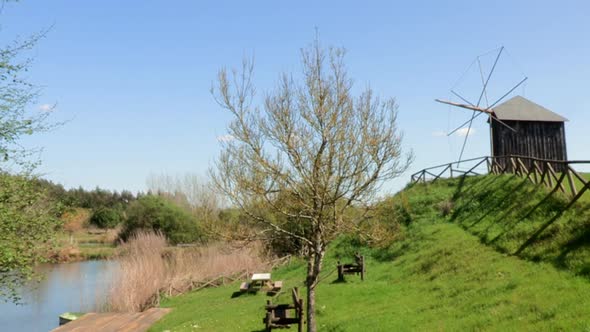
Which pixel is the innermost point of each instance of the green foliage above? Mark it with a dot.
(106, 217)
(157, 213)
(27, 225)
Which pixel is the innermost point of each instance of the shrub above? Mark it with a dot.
(106, 218)
(445, 207)
(158, 214)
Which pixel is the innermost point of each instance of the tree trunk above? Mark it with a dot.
(314, 267)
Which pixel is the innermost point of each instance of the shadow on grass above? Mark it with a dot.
(488, 198)
(549, 198)
(538, 232)
(237, 294)
(583, 240)
(505, 201)
(502, 203)
(339, 281)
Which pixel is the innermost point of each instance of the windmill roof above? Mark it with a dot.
(521, 109)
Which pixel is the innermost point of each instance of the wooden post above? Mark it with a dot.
(340, 272)
(552, 172)
(300, 325)
(363, 268)
(268, 320)
(572, 183)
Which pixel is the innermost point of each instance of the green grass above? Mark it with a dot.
(103, 251)
(439, 278)
(586, 196)
(513, 216)
(459, 272)
(90, 245)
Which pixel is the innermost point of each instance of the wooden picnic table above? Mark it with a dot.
(260, 280)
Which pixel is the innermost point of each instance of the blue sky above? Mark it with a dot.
(133, 77)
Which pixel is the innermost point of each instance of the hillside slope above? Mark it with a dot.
(510, 214)
(447, 272)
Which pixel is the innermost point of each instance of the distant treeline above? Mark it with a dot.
(88, 199)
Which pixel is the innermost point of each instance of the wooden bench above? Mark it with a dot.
(280, 316)
(357, 268)
(244, 287)
(257, 282)
(277, 285)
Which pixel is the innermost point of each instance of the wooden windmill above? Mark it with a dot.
(518, 126)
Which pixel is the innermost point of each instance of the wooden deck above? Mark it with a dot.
(107, 322)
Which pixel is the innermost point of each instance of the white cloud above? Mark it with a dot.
(46, 107)
(465, 131)
(225, 138)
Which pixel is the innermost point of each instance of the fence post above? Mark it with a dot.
(571, 181)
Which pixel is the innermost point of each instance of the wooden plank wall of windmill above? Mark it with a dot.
(544, 140)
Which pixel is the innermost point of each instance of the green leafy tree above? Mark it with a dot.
(26, 222)
(106, 217)
(158, 213)
(27, 225)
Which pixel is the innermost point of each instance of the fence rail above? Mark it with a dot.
(557, 175)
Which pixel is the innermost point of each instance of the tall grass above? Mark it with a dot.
(141, 273)
(148, 267)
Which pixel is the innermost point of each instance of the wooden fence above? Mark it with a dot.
(557, 175)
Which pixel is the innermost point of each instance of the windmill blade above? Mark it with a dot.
(485, 85)
(483, 92)
(461, 126)
(482, 81)
(509, 92)
(502, 123)
(476, 116)
(466, 136)
(461, 97)
(469, 107)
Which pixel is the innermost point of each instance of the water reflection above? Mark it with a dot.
(66, 287)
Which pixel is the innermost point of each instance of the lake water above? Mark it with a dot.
(70, 287)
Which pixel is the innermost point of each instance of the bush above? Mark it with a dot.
(445, 207)
(159, 214)
(106, 218)
(27, 228)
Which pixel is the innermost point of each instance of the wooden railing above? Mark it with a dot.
(557, 175)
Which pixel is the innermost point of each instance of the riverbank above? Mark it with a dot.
(85, 244)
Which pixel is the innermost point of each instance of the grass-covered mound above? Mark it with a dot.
(437, 275)
(438, 278)
(511, 214)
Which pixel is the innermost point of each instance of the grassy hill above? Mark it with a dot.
(479, 253)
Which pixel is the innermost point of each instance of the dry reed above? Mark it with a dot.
(148, 268)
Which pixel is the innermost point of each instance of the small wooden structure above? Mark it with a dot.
(357, 268)
(280, 316)
(115, 322)
(538, 132)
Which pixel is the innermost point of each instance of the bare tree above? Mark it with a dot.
(309, 153)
